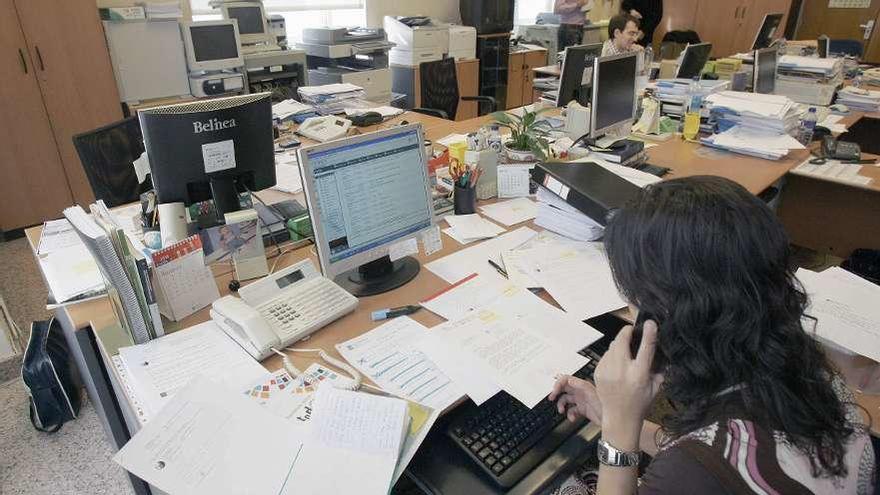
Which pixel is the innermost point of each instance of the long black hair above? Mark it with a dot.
(711, 262)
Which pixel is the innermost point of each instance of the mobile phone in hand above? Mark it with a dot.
(638, 329)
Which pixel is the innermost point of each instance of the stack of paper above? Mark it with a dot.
(845, 306)
(757, 111)
(469, 228)
(748, 141)
(289, 108)
(511, 212)
(287, 176)
(461, 264)
(329, 99)
(556, 215)
(385, 111)
(859, 99)
(819, 68)
(848, 173)
(71, 274)
(673, 93)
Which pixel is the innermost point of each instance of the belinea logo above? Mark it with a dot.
(214, 124)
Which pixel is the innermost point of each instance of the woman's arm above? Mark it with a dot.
(567, 6)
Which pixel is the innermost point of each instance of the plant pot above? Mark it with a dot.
(514, 156)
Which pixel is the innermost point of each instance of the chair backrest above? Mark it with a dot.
(846, 47)
(439, 86)
(107, 154)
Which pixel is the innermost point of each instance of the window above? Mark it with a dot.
(528, 10)
(299, 13)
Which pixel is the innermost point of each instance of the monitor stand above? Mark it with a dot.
(376, 277)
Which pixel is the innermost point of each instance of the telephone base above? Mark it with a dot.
(403, 270)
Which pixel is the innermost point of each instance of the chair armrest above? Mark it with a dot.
(432, 112)
(493, 105)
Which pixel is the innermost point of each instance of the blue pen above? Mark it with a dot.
(384, 314)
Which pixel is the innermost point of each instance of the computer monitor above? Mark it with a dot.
(614, 96)
(253, 27)
(764, 36)
(107, 154)
(693, 60)
(212, 45)
(823, 46)
(764, 79)
(364, 195)
(577, 74)
(210, 149)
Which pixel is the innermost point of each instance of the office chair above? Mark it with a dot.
(440, 90)
(846, 47)
(107, 154)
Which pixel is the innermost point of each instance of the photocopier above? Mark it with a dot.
(357, 56)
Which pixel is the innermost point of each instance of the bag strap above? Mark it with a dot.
(32, 409)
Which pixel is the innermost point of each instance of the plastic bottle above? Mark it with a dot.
(692, 112)
(808, 125)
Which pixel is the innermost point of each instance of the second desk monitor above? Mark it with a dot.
(764, 78)
(764, 36)
(577, 74)
(614, 104)
(693, 60)
(364, 195)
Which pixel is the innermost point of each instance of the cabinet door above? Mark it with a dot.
(532, 60)
(468, 75)
(718, 23)
(515, 80)
(33, 186)
(76, 78)
(754, 17)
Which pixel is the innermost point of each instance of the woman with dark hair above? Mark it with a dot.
(757, 407)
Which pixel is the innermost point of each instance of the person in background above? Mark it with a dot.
(757, 406)
(648, 12)
(623, 31)
(570, 11)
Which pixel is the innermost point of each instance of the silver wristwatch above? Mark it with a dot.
(611, 456)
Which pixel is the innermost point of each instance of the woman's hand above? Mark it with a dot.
(625, 385)
(576, 398)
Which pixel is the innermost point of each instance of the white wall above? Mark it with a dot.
(444, 10)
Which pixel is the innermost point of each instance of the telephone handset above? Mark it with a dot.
(281, 308)
(840, 150)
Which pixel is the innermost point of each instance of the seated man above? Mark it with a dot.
(623, 32)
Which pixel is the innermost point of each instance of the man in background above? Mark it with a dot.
(623, 31)
(648, 12)
(570, 11)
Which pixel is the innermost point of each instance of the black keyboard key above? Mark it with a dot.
(498, 468)
(467, 441)
(507, 461)
(477, 446)
(483, 454)
(489, 460)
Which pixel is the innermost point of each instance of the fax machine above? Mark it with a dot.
(342, 55)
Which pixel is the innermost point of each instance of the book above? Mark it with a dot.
(629, 149)
(592, 189)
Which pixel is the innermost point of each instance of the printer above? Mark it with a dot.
(357, 56)
(462, 42)
(417, 40)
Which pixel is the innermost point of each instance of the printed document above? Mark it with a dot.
(389, 356)
(472, 226)
(57, 234)
(459, 265)
(209, 440)
(511, 212)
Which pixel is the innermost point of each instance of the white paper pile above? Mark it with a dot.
(825, 67)
(511, 212)
(556, 215)
(673, 93)
(834, 170)
(332, 98)
(748, 141)
(286, 108)
(757, 111)
(469, 228)
(859, 99)
(287, 176)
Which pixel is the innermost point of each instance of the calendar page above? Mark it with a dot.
(187, 284)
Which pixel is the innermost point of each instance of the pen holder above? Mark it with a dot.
(464, 200)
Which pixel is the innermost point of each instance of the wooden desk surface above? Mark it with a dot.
(683, 158)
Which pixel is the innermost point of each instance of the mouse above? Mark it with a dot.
(839, 108)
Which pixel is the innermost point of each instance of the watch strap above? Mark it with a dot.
(610, 455)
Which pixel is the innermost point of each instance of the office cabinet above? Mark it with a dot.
(62, 85)
(731, 26)
(520, 77)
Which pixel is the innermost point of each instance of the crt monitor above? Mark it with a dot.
(693, 60)
(212, 45)
(210, 149)
(764, 81)
(107, 155)
(577, 74)
(252, 24)
(764, 36)
(614, 95)
(366, 194)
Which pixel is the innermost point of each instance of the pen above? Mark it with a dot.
(384, 314)
(498, 268)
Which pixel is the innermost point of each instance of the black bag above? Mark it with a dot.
(48, 377)
(864, 263)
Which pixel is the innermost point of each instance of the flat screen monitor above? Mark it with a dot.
(212, 45)
(577, 74)
(764, 36)
(614, 94)
(693, 60)
(252, 24)
(107, 154)
(210, 149)
(823, 46)
(765, 71)
(364, 195)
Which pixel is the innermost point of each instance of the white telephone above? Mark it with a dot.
(324, 129)
(281, 308)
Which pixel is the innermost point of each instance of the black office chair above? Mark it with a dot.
(107, 154)
(440, 90)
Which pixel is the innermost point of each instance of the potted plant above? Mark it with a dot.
(528, 136)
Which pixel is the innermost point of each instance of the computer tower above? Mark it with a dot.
(487, 16)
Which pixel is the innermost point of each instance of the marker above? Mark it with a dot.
(498, 268)
(384, 314)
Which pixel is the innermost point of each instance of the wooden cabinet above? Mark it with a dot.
(731, 26)
(59, 83)
(520, 76)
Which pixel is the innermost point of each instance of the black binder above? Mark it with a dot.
(589, 187)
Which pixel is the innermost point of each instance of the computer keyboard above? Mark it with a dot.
(506, 439)
(295, 314)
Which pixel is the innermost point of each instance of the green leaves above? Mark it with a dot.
(527, 133)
